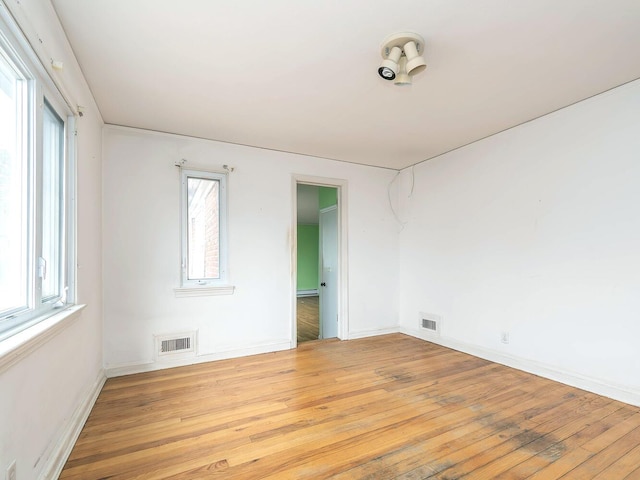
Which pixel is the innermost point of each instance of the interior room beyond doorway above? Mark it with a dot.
(311, 289)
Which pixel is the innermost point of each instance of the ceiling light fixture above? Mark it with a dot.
(402, 77)
(389, 66)
(415, 62)
(402, 57)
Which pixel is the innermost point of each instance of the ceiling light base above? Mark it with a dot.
(400, 40)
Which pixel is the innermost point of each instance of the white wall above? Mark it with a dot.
(142, 247)
(44, 394)
(535, 232)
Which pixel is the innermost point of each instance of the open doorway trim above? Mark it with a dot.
(343, 279)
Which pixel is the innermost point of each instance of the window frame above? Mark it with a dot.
(223, 279)
(40, 93)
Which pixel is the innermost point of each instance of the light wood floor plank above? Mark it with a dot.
(308, 318)
(610, 456)
(387, 407)
(574, 455)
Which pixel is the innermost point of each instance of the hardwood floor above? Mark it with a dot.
(388, 407)
(308, 313)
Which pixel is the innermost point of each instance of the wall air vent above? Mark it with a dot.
(175, 345)
(181, 344)
(430, 322)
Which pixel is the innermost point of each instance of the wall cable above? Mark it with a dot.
(393, 210)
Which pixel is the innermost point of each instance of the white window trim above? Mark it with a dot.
(206, 287)
(18, 346)
(183, 292)
(35, 324)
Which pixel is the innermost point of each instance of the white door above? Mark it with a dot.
(329, 272)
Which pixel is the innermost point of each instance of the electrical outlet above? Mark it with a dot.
(11, 471)
(504, 337)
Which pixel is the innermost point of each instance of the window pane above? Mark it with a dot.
(13, 192)
(203, 229)
(52, 177)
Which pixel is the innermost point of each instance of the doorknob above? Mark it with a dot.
(323, 284)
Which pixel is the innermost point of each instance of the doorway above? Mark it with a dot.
(318, 256)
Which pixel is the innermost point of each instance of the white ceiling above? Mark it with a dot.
(301, 76)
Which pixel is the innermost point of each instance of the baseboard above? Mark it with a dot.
(307, 293)
(62, 449)
(616, 392)
(373, 333)
(141, 367)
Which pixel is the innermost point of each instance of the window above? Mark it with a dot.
(13, 193)
(52, 205)
(204, 220)
(33, 191)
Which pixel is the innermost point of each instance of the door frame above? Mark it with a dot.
(343, 278)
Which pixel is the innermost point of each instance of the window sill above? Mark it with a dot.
(18, 346)
(204, 291)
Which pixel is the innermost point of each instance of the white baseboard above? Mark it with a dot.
(593, 385)
(140, 367)
(62, 449)
(307, 293)
(373, 333)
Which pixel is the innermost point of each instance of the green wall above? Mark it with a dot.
(308, 243)
(328, 196)
(308, 236)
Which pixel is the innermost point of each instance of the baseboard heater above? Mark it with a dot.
(307, 293)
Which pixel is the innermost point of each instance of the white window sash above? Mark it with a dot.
(223, 277)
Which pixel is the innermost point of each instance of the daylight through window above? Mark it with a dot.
(204, 223)
(33, 192)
